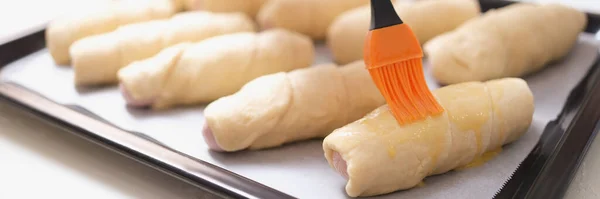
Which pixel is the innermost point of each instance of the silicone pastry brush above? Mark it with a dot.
(393, 57)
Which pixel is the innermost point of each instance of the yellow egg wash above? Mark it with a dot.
(501, 128)
(498, 116)
(478, 120)
(468, 112)
(429, 133)
(366, 122)
(391, 150)
(481, 160)
(421, 184)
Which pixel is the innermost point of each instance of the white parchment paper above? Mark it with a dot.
(300, 169)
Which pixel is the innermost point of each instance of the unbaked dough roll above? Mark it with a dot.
(63, 31)
(286, 107)
(97, 59)
(508, 42)
(346, 35)
(249, 7)
(379, 156)
(310, 17)
(189, 73)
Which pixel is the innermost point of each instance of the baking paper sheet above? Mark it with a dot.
(300, 169)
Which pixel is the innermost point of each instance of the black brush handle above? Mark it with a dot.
(383, 14)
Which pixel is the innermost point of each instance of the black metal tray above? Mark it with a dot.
(545, 173)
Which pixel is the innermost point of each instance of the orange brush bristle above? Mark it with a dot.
(393, 57)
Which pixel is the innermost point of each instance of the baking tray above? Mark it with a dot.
(557, 154)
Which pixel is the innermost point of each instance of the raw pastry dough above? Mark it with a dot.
(249, 7)
(62, 32)
(508, 42)
(202, 72)
(346, 35)
(379, 156)
(285, 107)
(97, 59)
(310, 17)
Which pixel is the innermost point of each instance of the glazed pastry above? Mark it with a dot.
(286, 107)
(97, 59)
(379, 156)
(62, 32)
(427, 19)
(508, 42)
(249, 7)
(309, 17)
(192, 73)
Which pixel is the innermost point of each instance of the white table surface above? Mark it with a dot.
(38, 160)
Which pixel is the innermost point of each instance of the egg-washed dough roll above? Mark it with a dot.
(97, 59)
(249, 7)
(189, 73)
(346, 35)
(379, 156)
(309, 17)
(508, 42)
(285, 107)
(63, 31)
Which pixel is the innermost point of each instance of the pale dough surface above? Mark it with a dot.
(310, 17)
(508, 42)
(65, 30)
(249, 7)
(383, 156)
(347, 33)
(201, 72)
(97, 59)
(285, 107)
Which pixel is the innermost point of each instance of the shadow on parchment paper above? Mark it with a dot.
(312, 151)
(83, 90)
(142, 113)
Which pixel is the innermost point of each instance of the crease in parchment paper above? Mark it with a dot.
(300, 169)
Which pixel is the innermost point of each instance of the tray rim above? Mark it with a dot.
(189, 169)
(194, 171)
